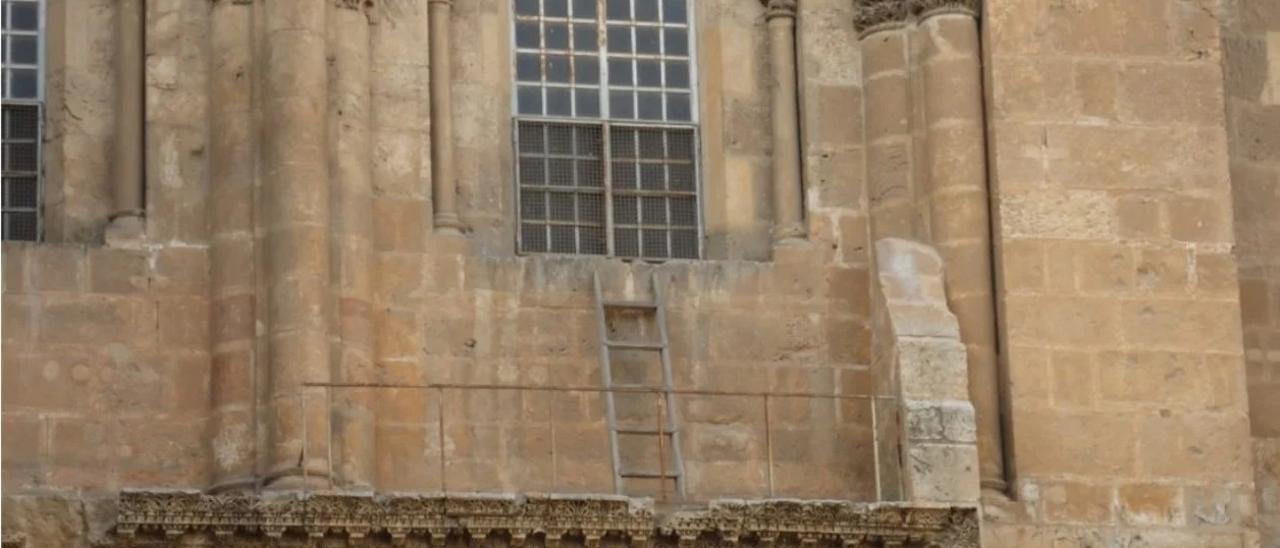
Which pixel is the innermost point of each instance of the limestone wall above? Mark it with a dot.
(1252, 59)
(1120, 305)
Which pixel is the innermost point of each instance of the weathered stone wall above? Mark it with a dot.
(1252, 61)
(1121, 313)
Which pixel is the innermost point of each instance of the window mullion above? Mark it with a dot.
(606, 154)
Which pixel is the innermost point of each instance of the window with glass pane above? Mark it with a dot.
(606, 128)
(23, 93)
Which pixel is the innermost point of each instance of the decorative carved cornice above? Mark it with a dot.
(873, 15)
(779, 8)
(154, 518)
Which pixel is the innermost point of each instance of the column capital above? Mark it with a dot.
(925, 8)
(874, 15)
(779, 8)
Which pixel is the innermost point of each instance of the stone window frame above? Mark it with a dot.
(34, 108)
(676, 235)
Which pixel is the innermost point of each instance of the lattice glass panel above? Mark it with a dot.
(21, 171)
(22, 23)
(655, 213)
(562, 188)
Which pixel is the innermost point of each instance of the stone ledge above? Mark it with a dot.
(153, 518)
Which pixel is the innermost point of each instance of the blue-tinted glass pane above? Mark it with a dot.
(620, 104)
(646, 10)
(647, 40)
(529, 100)
(677, 74)
(23, 84)
(678, 107)
(526, 34)
(674, 11)
(527, 7)
(24, 50)
(556, 8)
(584, 9)
(648, 73)
(528, 67)
(650, 105)
(619, 10)
(585, 38)
(556, 35)
(620, 72)
(558, 68)
(586, 69)
(559, 102)
(677, 41)
(26, 16)
(619, 39)
(588, 103)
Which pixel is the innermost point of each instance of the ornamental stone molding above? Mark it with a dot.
(779, 8)
(163, 518)
(873, 15)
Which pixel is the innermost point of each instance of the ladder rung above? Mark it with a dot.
(631, 304)
(635, 345)
(649, 475)
(645, 431)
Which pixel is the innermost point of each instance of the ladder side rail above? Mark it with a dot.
(606, 376)
(668, 384)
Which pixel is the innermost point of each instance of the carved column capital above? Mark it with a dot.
(779, 8)
(925, 8)
(872, 15)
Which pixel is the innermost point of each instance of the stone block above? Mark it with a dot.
(1103, 444)
(942, 473)
(1073, 214)
(1078, 503)
(181, 270)
(1150, 504)
(932, 369)
(16, 258)
(1140, 217)
(77, 319)
(1199, 220)
(1165, 93)
(118, 271)
(1074, 374)
(1181, 325)
(1080, 322)
(57, 268)
(183, 323)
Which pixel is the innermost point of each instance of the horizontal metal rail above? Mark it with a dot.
(620, 389)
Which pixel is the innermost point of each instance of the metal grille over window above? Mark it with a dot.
(22, 116)
(592, 75)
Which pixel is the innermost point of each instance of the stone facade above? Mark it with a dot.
(1010, 262)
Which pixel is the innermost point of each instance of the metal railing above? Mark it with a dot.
(768, 400)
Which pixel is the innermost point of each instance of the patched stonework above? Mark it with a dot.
(154, 518)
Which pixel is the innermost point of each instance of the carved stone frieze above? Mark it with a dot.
(872, 15)
(779, 8)
(153, 518)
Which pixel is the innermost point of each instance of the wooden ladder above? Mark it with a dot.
(666, 432)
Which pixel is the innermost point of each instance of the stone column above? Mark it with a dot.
(443, 181)
(955, 160)
(126, 227)
(887, 102)
(350, 154)
(295, 219)
(231, 246)
(788, 205)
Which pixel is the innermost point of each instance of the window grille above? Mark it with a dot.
(606, 128)
(22, 117)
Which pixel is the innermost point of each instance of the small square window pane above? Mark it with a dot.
(680, 145)
(587, 141)
(684, 212)
(684, 244)
(677, 41)
(584, 9)
(625, 210)
(626, 242)
(531, 139)
(585, 38)
(674, 11)
(653, 211)
(588, 103)
(586, 69)
(560, 139)
(620, 72)
(647, 40)
(533, 238)
(526, 7)
(624, 175)
(677, 74)
(560, 172)
(622, 143)
(533, 205)
(651, 145)
(561, 206)
(618, 10)
(21, 157)
(590, 173)
(678, 108)
(655, 243)
(24, 50)
(650, 105)
(652, 177)
(619, 39)
(528, 67)
(591, 208)
(648, 73)
(527, 35)
(26, 16)
(557, 69)
(556, 8)
(23, 84)
(529, 100)
(533, 171)
(563, 239)
(592, 240)
(621, 104)
(682, 177)
(21, 192)
(556, 35)
(646, 10)
(21, 225)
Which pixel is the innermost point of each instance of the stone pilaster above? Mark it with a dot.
(788, 206)
(295, 220)
(955, 162)
(231, 250)
(350, 155)
(443, 176)
(888, 98)
(126, 226)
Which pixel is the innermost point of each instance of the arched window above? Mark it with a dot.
(23, 24)
(606, 128)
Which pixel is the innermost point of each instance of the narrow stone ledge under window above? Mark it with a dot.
(167, 518)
